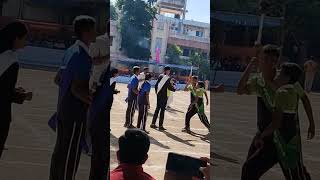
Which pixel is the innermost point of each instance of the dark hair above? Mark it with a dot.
(166, 68)
(293, 71)
(148, 76)
(201, 84)
(271, 50)
(10, 33)
(114, 71)
(136, 69)
(146, 68)
(195, 77)
(83, 24)
(133, 147)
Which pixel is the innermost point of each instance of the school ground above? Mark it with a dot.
(234, 127)
(31, 142)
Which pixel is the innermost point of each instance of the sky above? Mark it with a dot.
(197, 11)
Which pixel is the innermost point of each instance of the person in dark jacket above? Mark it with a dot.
(164, 83)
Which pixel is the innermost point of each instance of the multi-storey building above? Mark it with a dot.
(171, 27)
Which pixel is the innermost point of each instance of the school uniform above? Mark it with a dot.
(71, 114)
(162, 86)
(197, 108)
(259, 162)
(9, 69)
(287, 138)
(99, 120)
(143, 105)
(132, 101)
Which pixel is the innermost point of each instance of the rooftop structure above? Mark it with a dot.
(174, 7)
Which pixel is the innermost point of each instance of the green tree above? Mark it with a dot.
(135, 27)
(197, 60)
(173, 53)
(113, 13)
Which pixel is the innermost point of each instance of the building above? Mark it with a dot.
(171, 27)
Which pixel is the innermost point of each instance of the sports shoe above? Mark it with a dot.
(161, 128)
(153, 126)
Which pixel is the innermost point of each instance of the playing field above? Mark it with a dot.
(31, 142)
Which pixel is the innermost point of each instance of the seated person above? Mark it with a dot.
(132, 154)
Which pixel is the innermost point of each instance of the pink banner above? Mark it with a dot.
(158, 55)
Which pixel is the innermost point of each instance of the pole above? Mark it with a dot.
(260, 29)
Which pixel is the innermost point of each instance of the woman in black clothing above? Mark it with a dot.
(12, 37)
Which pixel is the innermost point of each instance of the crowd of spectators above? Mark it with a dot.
(230, 63)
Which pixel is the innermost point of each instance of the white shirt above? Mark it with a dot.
(99, 48)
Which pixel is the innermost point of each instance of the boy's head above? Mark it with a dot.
(201, 84)
(269, 58)
(98, 50)
(194, 80)
(148, 76)
(136, 70)
(145, 69)
(291, 72)
(167, 70)
(84, 28)
(133, 147)
(114, 72)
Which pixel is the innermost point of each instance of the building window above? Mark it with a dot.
(199, 33)
(160, 25)
(186, 52)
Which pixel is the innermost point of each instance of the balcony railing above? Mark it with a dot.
(177, 35)
(179, 3)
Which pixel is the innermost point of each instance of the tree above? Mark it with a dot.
(1, 6)
(135, 27)
(197, 60)
(113, 13)
(173, 53)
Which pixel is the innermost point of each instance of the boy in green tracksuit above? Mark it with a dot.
(285, 126)
(197, 90)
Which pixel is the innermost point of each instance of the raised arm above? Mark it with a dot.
(242, 85)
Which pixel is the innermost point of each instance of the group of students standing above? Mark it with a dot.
(139, 89)
(278, 139)
(82, 119)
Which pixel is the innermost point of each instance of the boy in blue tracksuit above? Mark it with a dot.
(132, 97)
(73, 102)
(144, 103)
